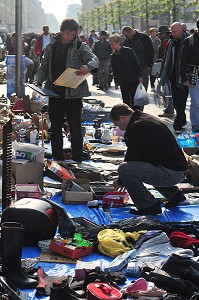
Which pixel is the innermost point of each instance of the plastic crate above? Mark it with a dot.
(89, 116)
(94, 102)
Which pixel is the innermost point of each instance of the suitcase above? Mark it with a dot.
(38, 217)
(102, 291)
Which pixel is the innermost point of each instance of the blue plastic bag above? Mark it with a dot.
(188, 139)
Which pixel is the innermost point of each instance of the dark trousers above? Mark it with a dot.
(58, 109)
(128, 92)
(179, 103)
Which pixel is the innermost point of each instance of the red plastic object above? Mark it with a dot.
(18, 106)
(70, 251)
(115, 199)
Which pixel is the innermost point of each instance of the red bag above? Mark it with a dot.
(102, 291)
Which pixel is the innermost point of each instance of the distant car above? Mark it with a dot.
(2, 49)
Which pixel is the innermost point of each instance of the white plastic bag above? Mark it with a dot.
(141, 98)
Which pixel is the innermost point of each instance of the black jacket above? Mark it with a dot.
(125, 65)
(149, 140)
(190, 55)
(142, 45)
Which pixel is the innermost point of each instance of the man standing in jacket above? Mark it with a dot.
(102, 50)
(153, 157)
(171, 73)
(142, 45)
(42, 40)
(190, 56)
(66, 51)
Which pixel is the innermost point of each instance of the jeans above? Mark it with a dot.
(194, 107)
(103, 72)
(134, 173)
(58, 108)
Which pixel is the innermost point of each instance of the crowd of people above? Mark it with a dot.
(131, 55)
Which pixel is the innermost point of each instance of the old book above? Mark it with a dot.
(192, 73)
(70, 79)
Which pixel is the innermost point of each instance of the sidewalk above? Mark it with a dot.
(112, 97)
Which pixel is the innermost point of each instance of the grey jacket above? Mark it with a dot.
(76, 57)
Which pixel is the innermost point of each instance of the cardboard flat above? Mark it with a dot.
(28, 173)
(55, 257)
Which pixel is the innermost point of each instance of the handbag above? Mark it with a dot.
(155, 71)
(105, 291)
(141, 98)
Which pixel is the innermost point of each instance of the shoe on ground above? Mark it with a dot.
(165, 115)
(178, 131)
(151, 210)
(178, 199)
(100, 88)
(106, 87)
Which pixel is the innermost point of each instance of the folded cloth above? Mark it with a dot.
(181, 239)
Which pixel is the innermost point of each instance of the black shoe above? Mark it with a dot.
(100, 88)
(178, 199)
(151, 210)
(106, 87)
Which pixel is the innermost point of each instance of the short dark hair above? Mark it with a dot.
(69, 24)
(119, 110)
(197, 23)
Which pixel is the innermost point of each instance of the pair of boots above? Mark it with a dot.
(12, 239)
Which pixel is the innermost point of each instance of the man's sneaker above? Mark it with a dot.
(178, 131)
(151, 210)
(178, 199)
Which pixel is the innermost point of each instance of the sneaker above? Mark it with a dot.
(178, 199)
(151, 210)
(165, 115)
(100, 88)
(178, 131)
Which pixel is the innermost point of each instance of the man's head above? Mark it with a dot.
(68, 29)
(121, 115)
(128, 32)
(46, 29)
(163, 32)
(176, 30)
(102, 35)
(115, 41)
(153, 32)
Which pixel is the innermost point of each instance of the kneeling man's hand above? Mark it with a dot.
(116, 184)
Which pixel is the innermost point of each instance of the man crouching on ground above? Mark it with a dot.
(153, 157)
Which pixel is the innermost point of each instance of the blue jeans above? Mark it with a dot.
(134, 173)
(194, 107)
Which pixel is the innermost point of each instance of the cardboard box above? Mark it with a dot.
(192, 157)
(71, 251)
(28, 173)
(27, 191)
(77, 197)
